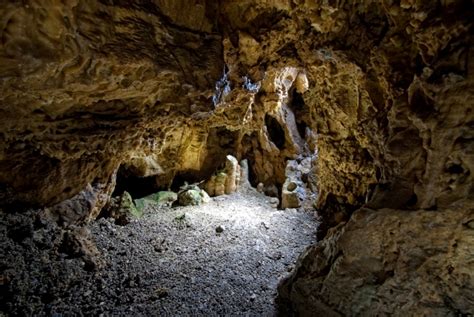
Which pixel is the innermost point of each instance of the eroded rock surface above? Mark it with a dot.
(379, 92)
(386, 261)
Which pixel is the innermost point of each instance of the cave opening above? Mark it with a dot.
(136, 186)
(275, 131)
(300, 110)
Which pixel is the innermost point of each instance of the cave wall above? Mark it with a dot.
(380, 91)
(88, 84)
(91, 86)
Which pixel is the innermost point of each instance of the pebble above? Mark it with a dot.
(161, 292)
(274, 202)
(236, 265)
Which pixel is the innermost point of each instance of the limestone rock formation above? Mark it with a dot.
(378, 92)
(190, 197)
(298, 190)
(89, 85)
(289, 195)
(227, 180)
(85, 205)
(77, 242)
(123, 209)
(388, 261)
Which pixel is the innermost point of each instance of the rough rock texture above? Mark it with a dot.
(298, 189)
(361, 270)
(227, 180)
(192, 197)
(379, 91)
(164, 198)
(123, 209)
(169, 263)
(88, 85)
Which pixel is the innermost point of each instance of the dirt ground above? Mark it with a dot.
(222, 258)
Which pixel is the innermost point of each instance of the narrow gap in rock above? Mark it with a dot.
(298, 106)
(275, 131)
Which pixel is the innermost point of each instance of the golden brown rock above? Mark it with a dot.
(226, 181)
(388, 261)
(88, 85)
(378, 93)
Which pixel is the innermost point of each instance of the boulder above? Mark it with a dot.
(205, 196)
(123, 209)
(190, 197)
(289, 195)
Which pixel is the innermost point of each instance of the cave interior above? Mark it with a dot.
(200, 157)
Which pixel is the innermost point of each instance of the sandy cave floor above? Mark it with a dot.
(170, 262)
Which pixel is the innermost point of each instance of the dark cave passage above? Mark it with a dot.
(136, 186)
(301, 112)
(275, 131)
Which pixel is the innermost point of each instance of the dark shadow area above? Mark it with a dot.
(138, 187)
(249, 154)
(298, 106)
(275, 131)
(189, 177)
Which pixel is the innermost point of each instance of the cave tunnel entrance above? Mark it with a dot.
(300, 110)
(275, 131)
(136, 186)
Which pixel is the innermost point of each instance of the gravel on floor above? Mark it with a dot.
(225, 257)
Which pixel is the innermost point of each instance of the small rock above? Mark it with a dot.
(190, 197)
(220, 229)
(205, 196)
(161, 292)
(291, 186)
(271, 190)
(274, 202)
(277, 255)
(253, 297)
